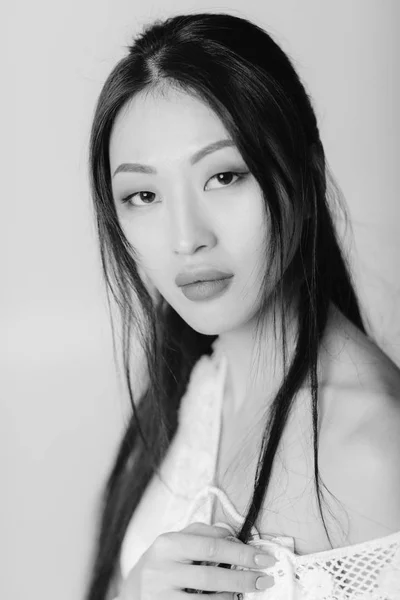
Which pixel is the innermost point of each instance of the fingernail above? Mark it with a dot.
(262, 583)
(264, 560)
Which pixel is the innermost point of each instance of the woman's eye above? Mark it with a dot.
(143, 196)
(146, 198)
(226, 177)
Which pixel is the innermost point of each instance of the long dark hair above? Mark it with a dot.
(250, 83)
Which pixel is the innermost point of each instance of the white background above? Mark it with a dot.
(62, 407)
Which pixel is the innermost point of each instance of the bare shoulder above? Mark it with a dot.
(360, 432)
(349, 358)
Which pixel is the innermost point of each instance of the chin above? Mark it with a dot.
(211, 325)
(210, 320)
(206, 330)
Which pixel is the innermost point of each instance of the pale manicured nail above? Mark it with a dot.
(262, 583)
(263, 560)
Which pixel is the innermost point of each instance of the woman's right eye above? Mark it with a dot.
(127, 199)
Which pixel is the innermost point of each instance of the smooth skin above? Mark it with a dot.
(166, 569)
(189, 214)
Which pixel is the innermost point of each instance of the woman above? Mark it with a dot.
(261, 456)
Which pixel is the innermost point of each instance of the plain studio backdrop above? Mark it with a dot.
(62, 406)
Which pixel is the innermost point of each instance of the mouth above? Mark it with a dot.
(201, 276)
(206, 280)
(206, 289)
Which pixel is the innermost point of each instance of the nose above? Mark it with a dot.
(190, 226)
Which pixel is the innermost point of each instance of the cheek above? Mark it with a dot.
(247, 235)
(147, 242)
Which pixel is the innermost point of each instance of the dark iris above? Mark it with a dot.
(144, 199)
(228, 175)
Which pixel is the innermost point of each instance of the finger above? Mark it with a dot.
(183, 595)
(187, 546)
(204, 529)
(213, 595)
(215, 579)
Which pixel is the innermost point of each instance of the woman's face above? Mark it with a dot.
(185, 213)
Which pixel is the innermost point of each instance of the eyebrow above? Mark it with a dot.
(197, 156)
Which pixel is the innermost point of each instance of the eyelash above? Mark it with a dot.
(240, 175)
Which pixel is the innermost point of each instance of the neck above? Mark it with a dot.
(255, 361)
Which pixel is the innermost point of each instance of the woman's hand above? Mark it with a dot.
(166, 570)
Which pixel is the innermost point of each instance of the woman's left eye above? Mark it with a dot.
(227, 177)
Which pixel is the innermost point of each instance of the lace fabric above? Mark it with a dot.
(366, 571)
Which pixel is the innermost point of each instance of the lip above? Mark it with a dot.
(206, 290)
(204, 274)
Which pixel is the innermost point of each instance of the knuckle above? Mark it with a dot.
(163, 543)
(243, 556)
(147, 573)
(212, 547)
(148, 577)
(195, 526)
(204, 580)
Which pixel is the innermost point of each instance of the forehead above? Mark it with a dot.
(169, 124)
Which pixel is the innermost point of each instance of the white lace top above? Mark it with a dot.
(365, 571)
